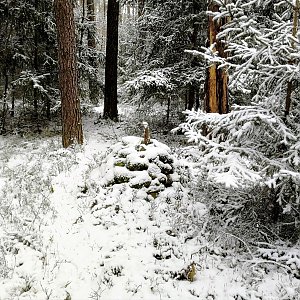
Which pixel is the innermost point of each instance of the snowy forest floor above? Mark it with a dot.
(66, 236)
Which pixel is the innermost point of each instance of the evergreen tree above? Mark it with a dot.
(28, 62)
(163, 69)
(254, 150)
(28, 59)
(263, 54)
(94, 85)
(90, 56)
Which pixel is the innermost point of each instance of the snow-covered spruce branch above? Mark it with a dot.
(260, 44)
(243, 145)
(255, 262)
(157, 79)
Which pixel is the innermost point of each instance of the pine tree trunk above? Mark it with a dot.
(12, 110)
(13, 95)
(111, 65)
(70, 106)
(217, 79)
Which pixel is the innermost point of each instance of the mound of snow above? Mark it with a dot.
(147, 168)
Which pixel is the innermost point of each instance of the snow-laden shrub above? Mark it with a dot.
(26, 187)
(157, 95)
(281, 255)
(249, 162)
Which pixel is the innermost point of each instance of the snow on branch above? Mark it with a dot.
(243, 146)
(259, 45)
(156, 79)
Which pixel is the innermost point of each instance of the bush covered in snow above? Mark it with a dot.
(249, 162)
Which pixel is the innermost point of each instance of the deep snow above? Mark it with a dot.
(66, 234)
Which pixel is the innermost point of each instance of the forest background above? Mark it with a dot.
(224, 73)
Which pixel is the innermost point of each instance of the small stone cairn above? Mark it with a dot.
(142, 164)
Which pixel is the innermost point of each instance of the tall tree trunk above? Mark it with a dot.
(13, 97)
(70, 106)
(111, 64)
(288, 99)
(197, 99)
(217, 79)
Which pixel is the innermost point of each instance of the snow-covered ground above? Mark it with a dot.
(68, 231)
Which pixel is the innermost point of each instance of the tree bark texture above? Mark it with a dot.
(111, 64)
(68, 81)
(217, 79)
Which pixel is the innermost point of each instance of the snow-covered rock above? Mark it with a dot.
(143, 167)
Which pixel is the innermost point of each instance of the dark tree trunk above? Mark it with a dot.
(70, 106)
(288, 98)
(168, 109)
(111, 65)
(13, 95)
(217, 79)
(186, 98)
